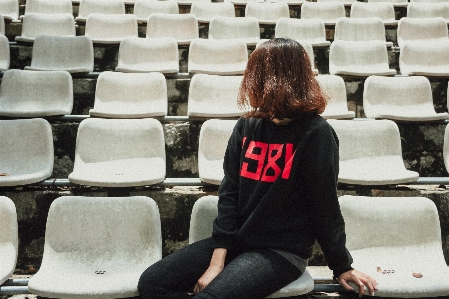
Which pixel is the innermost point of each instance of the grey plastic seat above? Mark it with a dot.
(9, 9)
(35, 24)
(429, 58)
(310, 30)
(400, 98)
(421, 30)
(97, 247)
(5, 57)
(9, 242)
(201, 224)
(87, 7)
(138, 55)
(328, 12)
(130, 95)
(361, 29)
(74, 54)
(119, 153)
(383, 10)
(36, 94)
(267, 12)
(48, 7)
(182, 27)
(205, 11)
(144, 8)
(370, 153)
(26, 151)
(109, 28)
(214, 96)
(246, 29)
(391, 238)
(428, 10)
(337, 107)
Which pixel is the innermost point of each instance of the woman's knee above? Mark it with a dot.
(148, 283)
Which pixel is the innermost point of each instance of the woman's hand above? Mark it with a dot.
(206, 278)
(360, 279)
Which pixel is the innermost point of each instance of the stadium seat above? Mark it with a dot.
(8, 238)
(310, 30)
(246, 29)
(48, 7)
(119, 153)
(396, 3)
(242, 2)
(430, 58)
(36, 94)
(5, 58)
(359, 58)
(428, 10)
(346, 2)
(370, 153)
(26, 151)
(328, 12)
(97, 247)
(205, 11)
(34, 24)
(427, 1)
(397, 241)
(2, 25)
(446, 148)
(214, 96)
(74, 54)
(86, 7)
(217, 57)
(421, 30)
(144, 8)
(337, 107)
(111, 29)
(204, 213)
(214, 136)
(400, 98)
(137, 55)
(360, 29)
(130, 95)
(383, 10)
(190, 2)
(9, 9)
(182, 27)
(267, 12)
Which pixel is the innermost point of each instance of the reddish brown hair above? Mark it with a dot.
(279, 82)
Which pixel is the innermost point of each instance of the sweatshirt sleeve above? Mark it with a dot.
(321, 160)
(225, 226)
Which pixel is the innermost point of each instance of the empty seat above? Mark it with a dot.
(328, 12)
(214, 136)
(87, 7)
(383, 10)
(5, 57)
(110, 29)
(428, 10)
(392, 239)
(8, 238)
(9, 9)
(182, 27)
(421, 30)
(130, 95)
(144, 8)
(2, 25)
(36, 94)
(428, 1)
(26, 151)
(148, 55)
(34, 24)
(396, 3)
(267, 12)
(359, 58)
(218, 57)
(74, 54)
(334, 87)
(446, 148)
(242, 2)
(190, 2)
(310, 30)
(400, 98)
(97, 247)
(430, 58)
(205, 11)
(119, 153)
(48, 7)
(370, 153)
(360, 29)
(201, 224)
(214, 96)
(246, 29)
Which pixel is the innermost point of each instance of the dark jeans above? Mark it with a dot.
(252, 274)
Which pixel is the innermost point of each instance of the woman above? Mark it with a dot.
(278, 196)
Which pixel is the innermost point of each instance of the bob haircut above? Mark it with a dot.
(279, 82)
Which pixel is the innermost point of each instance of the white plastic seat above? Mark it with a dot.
(130, 95)
(428, 1)
(111, 29)
(34, 24)
(213, 140)
(446, 148)
(370, 153)
(119, 153)
(328, 12)
(74, 54)
(26, 151)
(189, 2)
(267, 12)
(396, 3)
(362, 58)
(310, 30)
(242, 2)
(138, 55)
(217, 57)
(2, 25)
(246, 29)
(201, 224)
(383, 10)
(182, 27)
(428, 10)
(36, 94)
(9, 9)
(48, 7)
(421, 30)
(400, 236)
(214, 96)
(430, 58)
(5, 57)
(87, 7)
(97, 247)
(144, 8)
(334, 87)
(8, 238)
(345, 2)
(205, 11)
(361, 29)
(400, 98)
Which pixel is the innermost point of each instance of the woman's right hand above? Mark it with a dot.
(206, 278)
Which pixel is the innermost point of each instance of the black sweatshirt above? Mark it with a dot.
(280, 190)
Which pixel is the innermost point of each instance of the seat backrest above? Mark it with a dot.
(400, 2)
(311, 30)
(360, 29)
(205, 11)
(201, 221)
(177, 26)
(267, 11)
(111, 27)
(425, 57)
(334, 86)
(5, 57)
(231, 27)
(428, 10)
(10, 9)
(87, 7)
(326, 11)
(34, 24)
(383, 10)
(421, 29)
(48, 6)
(144, 8)
(8, 238)
(446, 148)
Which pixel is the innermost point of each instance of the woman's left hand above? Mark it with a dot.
(206, 278)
